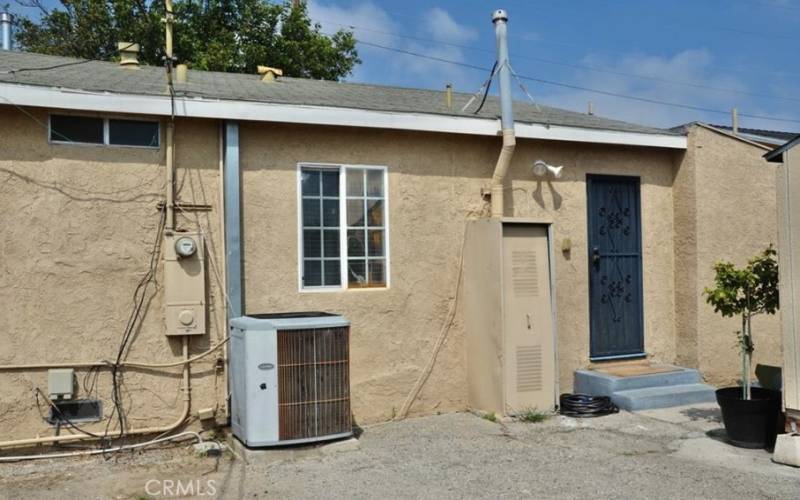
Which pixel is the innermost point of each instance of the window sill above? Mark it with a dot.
(102, 145)
(340, 289)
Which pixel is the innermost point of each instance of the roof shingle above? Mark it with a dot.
(98, 76)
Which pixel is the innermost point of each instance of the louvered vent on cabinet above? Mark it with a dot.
(313, 383)
(525, 278)
(529, 368)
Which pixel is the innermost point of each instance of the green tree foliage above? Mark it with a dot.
(746, 292)
(215, 35)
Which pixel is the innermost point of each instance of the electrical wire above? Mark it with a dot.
(139, 295)
(62, 65)
(105, 450)
(443, 333)
(585, 406)
(584, 67)
(577, 87)
(61, 417)
(486, 86)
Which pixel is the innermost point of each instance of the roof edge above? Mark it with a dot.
(726, 133)
(192, 107)
(776, 155)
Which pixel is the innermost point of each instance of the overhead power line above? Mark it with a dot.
(578, 87)
(61, 65)
(596, 69)
(678, 22)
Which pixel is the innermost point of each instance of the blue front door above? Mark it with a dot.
(615, 267)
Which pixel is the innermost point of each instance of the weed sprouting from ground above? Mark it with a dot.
(532, 415)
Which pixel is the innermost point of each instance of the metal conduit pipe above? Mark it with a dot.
(83, 453)
(187, 399)
(47, 366)
(6, 25)
(103, 364)
(169, 225)
(224, 270)
(500, 20)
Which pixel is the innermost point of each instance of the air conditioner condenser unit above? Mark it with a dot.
(290, 380)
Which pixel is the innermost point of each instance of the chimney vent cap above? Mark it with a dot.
(499, 15)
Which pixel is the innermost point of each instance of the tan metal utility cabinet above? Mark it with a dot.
(508, 309)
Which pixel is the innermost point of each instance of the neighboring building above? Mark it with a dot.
(769, 138)
(355, 200)
(725, 209)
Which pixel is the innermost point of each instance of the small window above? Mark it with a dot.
(321, 261)
(343, 238)
(133, 133)
(104, 131)
(83, 129)
(366, 256)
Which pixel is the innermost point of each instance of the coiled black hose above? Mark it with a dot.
(585, 406)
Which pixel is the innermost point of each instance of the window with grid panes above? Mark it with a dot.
(343, 227)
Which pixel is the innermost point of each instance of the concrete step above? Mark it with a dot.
(598, 383)
(663, 396)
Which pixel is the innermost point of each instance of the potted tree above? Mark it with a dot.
(749, 413)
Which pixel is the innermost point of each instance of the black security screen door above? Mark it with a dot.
(615, 267)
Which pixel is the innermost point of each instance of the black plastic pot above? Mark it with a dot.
(750, 423)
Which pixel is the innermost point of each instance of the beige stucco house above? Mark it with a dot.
(354, 199)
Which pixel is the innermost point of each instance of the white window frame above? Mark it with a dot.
(343, 256)
(106, 131)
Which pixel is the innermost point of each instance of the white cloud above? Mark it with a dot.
(371, 23)
(440, 25)
(694, 66)
(366, 19)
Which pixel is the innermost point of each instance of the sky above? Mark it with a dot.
(710, 54)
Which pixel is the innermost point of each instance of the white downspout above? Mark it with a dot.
(500, 20)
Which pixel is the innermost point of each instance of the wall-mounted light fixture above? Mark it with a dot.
(540, 169)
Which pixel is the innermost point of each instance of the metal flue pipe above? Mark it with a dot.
(500, 20)
(6, 21)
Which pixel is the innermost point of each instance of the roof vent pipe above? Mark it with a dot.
(6, 21)
(500, 20)
(128, 54)
(269, 74)
(181, 73)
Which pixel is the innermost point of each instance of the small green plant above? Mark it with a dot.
(532, 415)
(746, 292)
(491, 416)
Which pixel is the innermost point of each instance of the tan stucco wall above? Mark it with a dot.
(78, 221)
(76, 227)
(435, 182)
(724, 210)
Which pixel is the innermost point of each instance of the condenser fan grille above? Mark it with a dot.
(313, 382)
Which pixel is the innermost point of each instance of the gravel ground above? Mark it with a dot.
(448, 456)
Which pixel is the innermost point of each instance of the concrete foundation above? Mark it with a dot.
(264, 456)
(787, 450)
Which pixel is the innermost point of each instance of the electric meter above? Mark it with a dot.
(185, 246)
